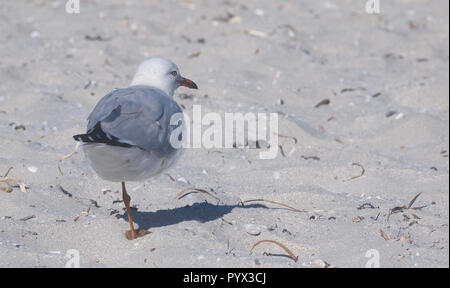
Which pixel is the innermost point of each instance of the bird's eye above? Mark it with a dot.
(174, 73)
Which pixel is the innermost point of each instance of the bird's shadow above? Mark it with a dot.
(200, 212)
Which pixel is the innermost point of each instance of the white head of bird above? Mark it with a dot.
(162, 74)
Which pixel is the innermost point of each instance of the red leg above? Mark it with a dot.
(131, 234)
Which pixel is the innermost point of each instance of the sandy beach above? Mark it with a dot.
(363, 113)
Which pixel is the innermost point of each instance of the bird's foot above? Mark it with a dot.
(139, 233)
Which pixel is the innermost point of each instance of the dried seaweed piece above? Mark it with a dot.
(20, 127)
(225, 18)
(282, 150)
(170, 177)
(194, 190)
(354, 177)
(310, 157)
(273, 202)
(323, 102)
(376, 95)
(385, 236)
(397, 209)
(391, 113)
(401, 208)
(351, 89)
(293, 257)
(394, 210)
(15, 180)
(375, 218)
(367, 206)
(27, 218)
(226, 221)
(96, 38)
(64, 191)
(413, 200)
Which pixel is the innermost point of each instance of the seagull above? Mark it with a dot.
(128, 134)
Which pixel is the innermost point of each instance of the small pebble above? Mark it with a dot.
(260, 12)
(399, 116)
(32, 169)
(35, 34)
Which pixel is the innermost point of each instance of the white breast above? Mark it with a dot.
(117, 164)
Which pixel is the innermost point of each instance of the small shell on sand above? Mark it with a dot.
(252, 229)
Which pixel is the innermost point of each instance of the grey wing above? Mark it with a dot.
(138, 116)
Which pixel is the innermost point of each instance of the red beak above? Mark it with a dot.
(187, 83)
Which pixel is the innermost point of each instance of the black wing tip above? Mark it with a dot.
(97, 135)
(81, 138)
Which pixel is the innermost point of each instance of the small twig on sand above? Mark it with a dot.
(404, 207)
(354, 177)
(413, 200)
(7, 172)
(170, 177)
(295, 141)
(75, 150)
(85, 213)
(15, 180)
(226, 221)
(27, 218)
(60, 170)
(293, 257)
(70, 154)
(194, 190)
(273, 202)
(385, 236)
(282, 150)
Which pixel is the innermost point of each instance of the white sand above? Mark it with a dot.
(52, 76)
